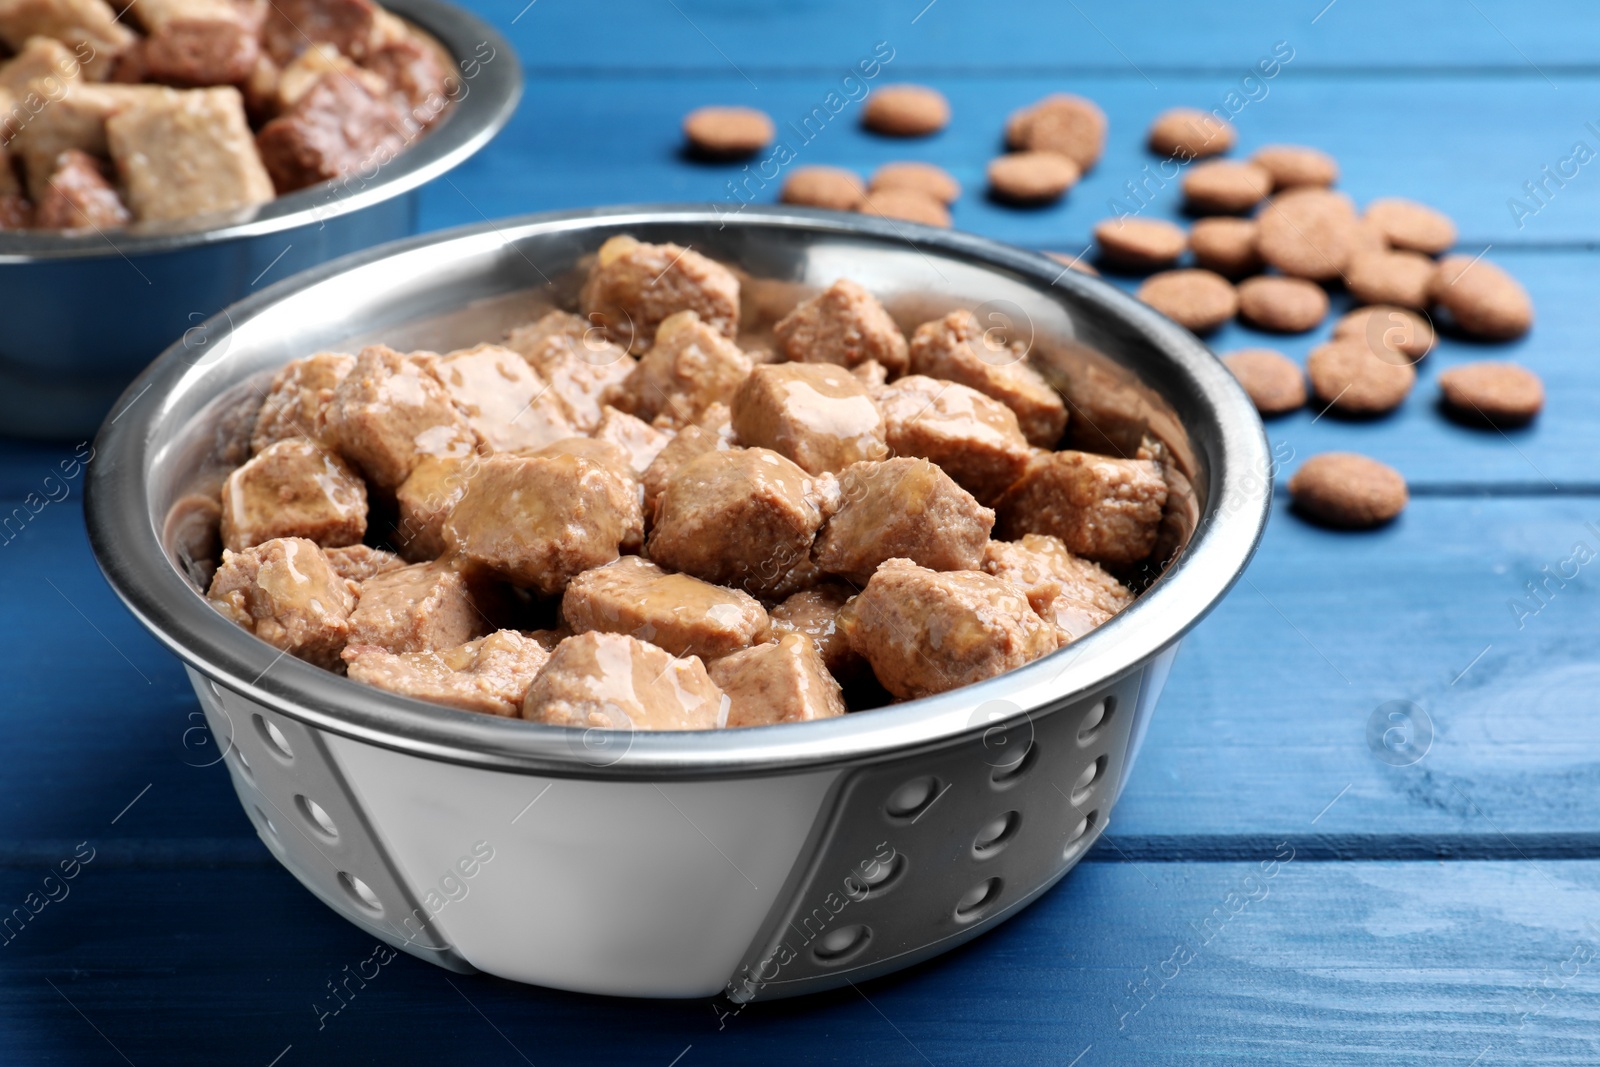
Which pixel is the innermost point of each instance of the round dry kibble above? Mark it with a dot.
(829, 187)
(1412, 226)
(1140, 244)
(1225, 245)
(1307, 233)
(1482, 299)
(906, 204)
(1189, 133)
(1199, 299)
(1498, 394)
(1032, 177)
(906, 111)
(1351, 377)
(1062, 123)
(1366, 237)
(1074, 263)
(1349, 491)
(1282, 305)
(728, 132)
(1223, 187)
(1270, 379)
(1388, 328)
(923, 177)
(1292, 166)
(1401, 278)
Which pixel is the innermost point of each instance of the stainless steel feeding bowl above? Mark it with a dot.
(758, 862)
(85, 312)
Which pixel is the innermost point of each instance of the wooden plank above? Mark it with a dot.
(1264, 722)
(710, 37)
(1276, 958)
(577, 141)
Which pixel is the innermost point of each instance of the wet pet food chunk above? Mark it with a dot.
(959, 348)
(689, 443)
(680, 613)
(617, 682)
(507, 404)
(288, 594)
(78, 196)
(843, 324)
(1108, 510)
(360, 562)
(902, 507)
(216, 44)
(388, 413)
(782, 681)
(490, 675)
(975, 439)
(817, 415)
(745, 518)
(814, 614)
(425, 500)
(634, 287)
(187, 153)
(926, 631)
(1073, 594)
(293, 488)
(576, 359)
(292, 26)
(516, 518)
(298, 398)
(638, 441)
(690, 367)
(339, 126)
(420, 608)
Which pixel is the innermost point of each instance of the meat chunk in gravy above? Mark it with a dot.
(638, 440)
(634, 287)
(744, 518)
(905, 508)
(925, 632)
(489, 675)
(289, 595)
(690, 367)
(680, 613)
(504, 400)
(1105, 509)
(293, 488)
(425, 500)
(187, 153)
(361, 562)
(292, 26)
(814, 614)
(959, 348)
(782, 681)
(420, 608)
(576, 359)
(339, 126)
(200, 42)
(515, 518)
(387, 413)
(687, 444)
(973, 438)
(75, 22)
(78, 196)
(843, 324)
(613, 681)
(1074, 594)
(817, 415)
(298, 399)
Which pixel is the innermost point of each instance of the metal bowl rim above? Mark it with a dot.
(473, 120)
(128, 548)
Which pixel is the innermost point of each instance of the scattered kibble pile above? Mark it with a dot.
(1270, 237)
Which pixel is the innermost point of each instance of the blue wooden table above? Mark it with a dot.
(1440, 909)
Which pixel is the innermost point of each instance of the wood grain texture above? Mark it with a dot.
(1272, 959)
